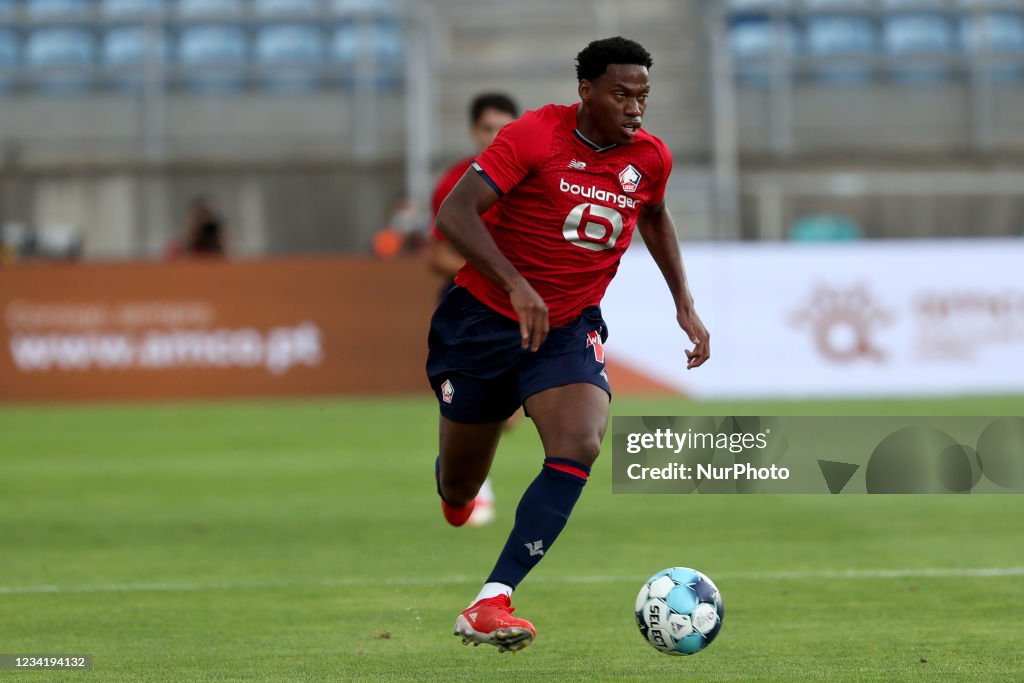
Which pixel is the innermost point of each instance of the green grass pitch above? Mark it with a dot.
(302, 540)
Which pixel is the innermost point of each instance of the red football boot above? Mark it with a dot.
(490, 621)
(458, 516)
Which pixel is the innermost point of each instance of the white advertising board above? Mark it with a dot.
(874, 318)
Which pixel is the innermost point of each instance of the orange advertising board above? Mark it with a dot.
(207, 329)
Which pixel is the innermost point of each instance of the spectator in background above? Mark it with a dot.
(203, 234)
(488, 114)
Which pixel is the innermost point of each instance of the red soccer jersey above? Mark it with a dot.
(445, 185)
(567, 210)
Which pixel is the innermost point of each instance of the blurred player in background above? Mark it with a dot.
(488, 114)
(565, 187)
(203, 235)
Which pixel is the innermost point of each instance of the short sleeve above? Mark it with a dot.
(658, 195)
(520, 147)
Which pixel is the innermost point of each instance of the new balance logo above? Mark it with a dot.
(535, 548)
(578, 165)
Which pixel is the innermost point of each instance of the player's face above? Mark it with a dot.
(487, 126)
(617, 100)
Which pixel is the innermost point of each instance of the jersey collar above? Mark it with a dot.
(590, 143)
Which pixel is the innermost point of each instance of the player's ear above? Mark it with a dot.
(586, 91)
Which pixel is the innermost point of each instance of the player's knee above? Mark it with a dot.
(583, 448)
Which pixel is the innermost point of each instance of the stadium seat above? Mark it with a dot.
(209, 8)
(999, 34)
(752, 41)
(285, 8)
(8, 58)
(56, 9)
(907, 36)
(290, 55)
(378, 8)
(380, 42)
(63, 57)
(213, 57)
(743, 6)
(6, 7)
(843, 45)
(120, 9)
(835, 5)
(912, 5)
(124, 48)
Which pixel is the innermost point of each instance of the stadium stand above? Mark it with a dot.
(125, 54)
(63, 58)
(214, 57)
(285, 9)
(8, 58)
(909, 37)
(840, 43)
(207, 9)
(56, 9)
(291, 55)
(130, 9)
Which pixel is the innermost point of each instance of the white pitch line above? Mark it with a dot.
(344, 581)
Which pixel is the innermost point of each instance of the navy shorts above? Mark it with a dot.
(479, 372)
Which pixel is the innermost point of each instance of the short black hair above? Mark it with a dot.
(491, 100)
(593, 60)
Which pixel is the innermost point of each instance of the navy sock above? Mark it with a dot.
(542, 513)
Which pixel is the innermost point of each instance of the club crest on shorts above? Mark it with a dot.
(447, 391)
(594, 339)
(629, 178)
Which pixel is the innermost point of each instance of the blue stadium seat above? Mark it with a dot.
(906, 36)
(380, 41)
(125, 47)
(291, 55)
(836, 5)
(912, 5)
(120, 9)
(746, 6)
(56, 9)
(285, 8)
(207, 8)
(213, 57)
(63, 57)
(376, 8)
(851, 39)
(752, 41)
(8, 57)
(6, 7)
(1000, 34)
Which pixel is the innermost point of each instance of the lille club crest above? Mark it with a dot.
(447, 391)
(629, 178)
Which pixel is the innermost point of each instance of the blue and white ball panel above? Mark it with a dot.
(691, 644)
(685, 575)
(682, 599)
(661, 587)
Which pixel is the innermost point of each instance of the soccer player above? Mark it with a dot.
(567, 185)
(488, 114)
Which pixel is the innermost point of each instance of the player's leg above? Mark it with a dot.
(571, 421)
(466, 452)
(567, 394)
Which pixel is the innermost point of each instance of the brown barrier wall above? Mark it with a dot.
(214, 329)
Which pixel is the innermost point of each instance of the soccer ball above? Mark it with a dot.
(679, 611)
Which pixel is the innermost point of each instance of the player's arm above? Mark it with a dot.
(459, 220)
(659, 233)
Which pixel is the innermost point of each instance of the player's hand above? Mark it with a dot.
(698, 334)
(533, 314)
